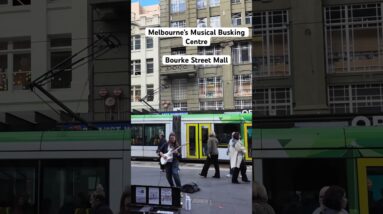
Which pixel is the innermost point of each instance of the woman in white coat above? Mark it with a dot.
(237, 162)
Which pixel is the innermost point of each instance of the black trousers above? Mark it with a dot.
(236, 170)
(213, 159)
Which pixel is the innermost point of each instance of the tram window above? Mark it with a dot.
(152, 132)
(375, 189)
(18, 184)
(67, 185)
(224, 131)
(137, 135)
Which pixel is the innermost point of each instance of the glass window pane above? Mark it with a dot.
(152, 134)
(224, 131)
(66, 185)
(137, 138)
(22, 71)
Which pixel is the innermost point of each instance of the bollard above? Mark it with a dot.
(187, 202)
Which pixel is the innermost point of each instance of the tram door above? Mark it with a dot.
(248, 133)
(370, 180)
(196, 139)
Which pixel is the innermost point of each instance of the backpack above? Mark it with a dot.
(190, 188)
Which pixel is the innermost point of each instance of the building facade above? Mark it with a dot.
(317, 57)
(199, 88)
(34, 38)
(317, 70)
(145, 58)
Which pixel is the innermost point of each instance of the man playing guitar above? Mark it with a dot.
(172, 164)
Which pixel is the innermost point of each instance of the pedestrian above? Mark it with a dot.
(161, 142)
(172, 165)
(124, 203)
(260, 205)
(229, 153)
(334, 201)
(321, 196)
(237, 159)
(212, 156)
(98, 201)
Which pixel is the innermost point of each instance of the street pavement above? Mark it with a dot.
(217, 196)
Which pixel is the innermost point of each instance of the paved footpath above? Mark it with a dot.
(217, 196)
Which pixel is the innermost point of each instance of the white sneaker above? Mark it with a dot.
(228, 175)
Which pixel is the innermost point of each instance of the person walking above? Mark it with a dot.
(229, 153)
(172, 165)
(212, 156)
(162, 142)
(260, 205)
(237, 159)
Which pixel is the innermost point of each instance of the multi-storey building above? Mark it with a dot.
(34, 38)
(317, 69)
(208, 87)
(145, 58)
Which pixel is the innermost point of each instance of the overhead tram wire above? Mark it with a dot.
(111, 42)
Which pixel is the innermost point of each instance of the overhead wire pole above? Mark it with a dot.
(105, 43)
(152, 94)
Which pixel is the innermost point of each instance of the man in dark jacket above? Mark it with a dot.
(212, 156)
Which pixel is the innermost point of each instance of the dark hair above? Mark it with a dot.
(125, 194)
(175, 138)
(236, 135)
(333, 198)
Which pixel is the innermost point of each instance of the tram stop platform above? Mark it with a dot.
(217, 196)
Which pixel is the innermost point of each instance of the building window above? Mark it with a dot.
(136, 67)
(149, 66)
(249, 18)
(241, 52)
(21, 2)
(178, 51)
(243, 104)
(210, 87)
(3, 72)
(21, 64)
(136, 42)
(236, 19)
(177, 6)
(179, 89)
(60, 51)
(210, 50)
(353, 37)
(135, 93)
(201, 4)
(235, 1)
(214, 3)
(242, 85)
(211, 105)
(271, 44)
(202, 22)
(366, 98)
(181, 23)
(19, 52)
(149, 42)
(272, 101)
(150, 92)
(215, 21)
(180, 106)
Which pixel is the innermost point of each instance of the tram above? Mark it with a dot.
(312, 157)
(54, 170)
(192, 131)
